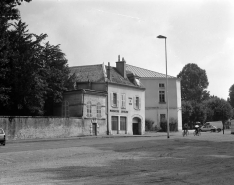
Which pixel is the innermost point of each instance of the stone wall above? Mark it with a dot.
(46, 127)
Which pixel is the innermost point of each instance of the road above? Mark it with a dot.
(205, 159)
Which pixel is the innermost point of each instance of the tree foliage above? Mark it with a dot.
(194, 81)
(220, 109)
(33, 74)
(231, 95)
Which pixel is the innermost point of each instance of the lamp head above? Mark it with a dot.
(161, 37)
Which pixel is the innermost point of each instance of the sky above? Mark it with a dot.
(97, 31)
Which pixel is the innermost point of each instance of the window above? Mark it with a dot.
(162, 118)
(137, 102)
(161, 96)
(161, 85)
(65, 109)
(99, 110)
(114, 100)
(114, 122)
(123, 101)
(89, 109)
(123, 123)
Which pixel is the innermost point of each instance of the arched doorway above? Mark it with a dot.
(136, 126)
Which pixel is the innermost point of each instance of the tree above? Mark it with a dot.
(187, 110)
(193, 83)
(8, 12)
(56, 72)
(231, 96)
(27, 86)
(222, 110)
(198, 113)
(33, 75)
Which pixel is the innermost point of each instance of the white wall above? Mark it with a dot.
(131, 112)
(154, 108)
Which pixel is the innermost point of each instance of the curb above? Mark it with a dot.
(79, 137)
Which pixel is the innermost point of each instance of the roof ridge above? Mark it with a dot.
(86, 65)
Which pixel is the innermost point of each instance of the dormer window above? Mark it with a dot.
(137, 82)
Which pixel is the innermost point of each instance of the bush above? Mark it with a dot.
(172, 125)
(149, 125)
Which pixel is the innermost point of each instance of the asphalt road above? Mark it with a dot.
(149, 159)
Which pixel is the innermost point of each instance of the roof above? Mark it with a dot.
(97, 73)
(115, 77)
(93, 73)
(145, 73)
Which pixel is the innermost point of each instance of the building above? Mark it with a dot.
(155, 94)
(125, 98)
(87, 104)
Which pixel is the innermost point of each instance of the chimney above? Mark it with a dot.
(108, 71)
(121, 67)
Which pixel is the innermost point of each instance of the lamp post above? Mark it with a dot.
(163, 37)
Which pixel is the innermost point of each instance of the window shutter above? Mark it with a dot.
(117, 99)
(139, 103)
(124, 100)
(134, 102)
(111, 99)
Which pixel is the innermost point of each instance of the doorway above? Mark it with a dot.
(94, 129)
(136, 126)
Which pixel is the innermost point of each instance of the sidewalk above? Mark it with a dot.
(147, 134)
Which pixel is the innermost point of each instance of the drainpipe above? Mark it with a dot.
(107, 109)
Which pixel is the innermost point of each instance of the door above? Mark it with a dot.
(94, 129)
(135, 128)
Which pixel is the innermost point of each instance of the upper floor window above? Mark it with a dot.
(123, 100)
(161, 85)
(99, 110)
(89, 109)
(161, 96)
(137, 102)
(114, 100)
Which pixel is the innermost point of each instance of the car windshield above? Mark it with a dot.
(1, 131)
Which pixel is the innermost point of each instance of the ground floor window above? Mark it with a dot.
(162, 118)
(123, 123)
(114, 122)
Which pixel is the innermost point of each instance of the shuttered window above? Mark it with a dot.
(137, 102)
(123, 123)
(89, 109)
(114, 99)
(99, 110)
(114, 122)
(123, 101)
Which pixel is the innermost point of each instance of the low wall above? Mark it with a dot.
(45, 127)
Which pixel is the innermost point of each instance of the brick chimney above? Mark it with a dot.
(121, 67)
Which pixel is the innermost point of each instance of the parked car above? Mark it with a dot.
(2, 137)
(209, 127)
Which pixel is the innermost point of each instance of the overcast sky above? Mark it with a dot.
(93, 32)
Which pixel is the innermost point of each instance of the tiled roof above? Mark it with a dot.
(145, 72)
(93, 73)
(115, 77)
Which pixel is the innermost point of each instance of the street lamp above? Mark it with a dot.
(163, 37)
